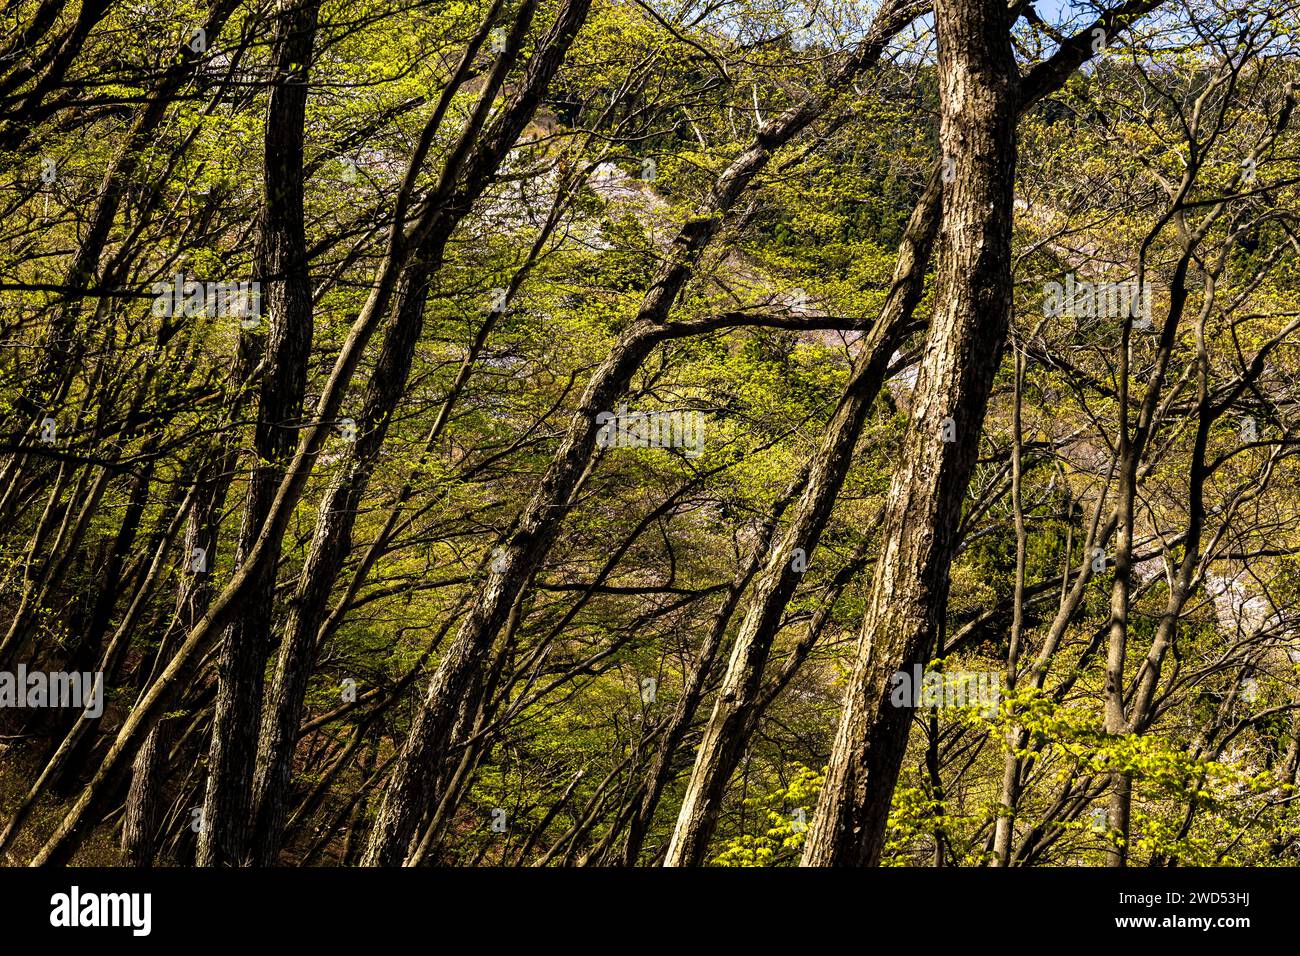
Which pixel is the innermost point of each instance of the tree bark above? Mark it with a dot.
(282, 270)
(978, 96)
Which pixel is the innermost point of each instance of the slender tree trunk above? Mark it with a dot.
(447, 200)
(332, 538)
(64, 338)
(1004, 827)
(144, 801)
(661, 767)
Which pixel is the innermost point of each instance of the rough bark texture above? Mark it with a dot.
(446, 200)
(978, 80)
(286, 285)
(330, 545)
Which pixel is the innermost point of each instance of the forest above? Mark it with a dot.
(640, 433)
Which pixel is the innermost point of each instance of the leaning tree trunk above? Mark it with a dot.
(978, 96)
(727, 732)
(661, 767)
(443, 205)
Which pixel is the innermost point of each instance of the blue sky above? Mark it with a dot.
(1059, 11)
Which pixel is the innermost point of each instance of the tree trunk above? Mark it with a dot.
(282, 269)
(978, 96)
